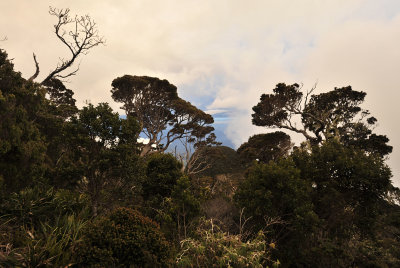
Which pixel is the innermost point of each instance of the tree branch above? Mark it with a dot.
(80, 40)
(33, 77)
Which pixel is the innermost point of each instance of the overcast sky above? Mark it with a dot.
(222, 55)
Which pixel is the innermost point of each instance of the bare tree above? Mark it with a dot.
(192, 163)
(79, 34)
(243, 234)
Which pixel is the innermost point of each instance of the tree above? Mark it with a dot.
(192, 161)
(162, 173)
(163, 116)
(348, 185)
(265, 147)
(184, 206)
(100, 153)
(329, 198)
(79, 34)
(350, 188)
(335, 114)
(22, 146)
(61, 97)
(275, 192)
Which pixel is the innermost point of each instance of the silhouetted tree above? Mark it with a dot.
(163, 116)
(335, 114)
(79, 34)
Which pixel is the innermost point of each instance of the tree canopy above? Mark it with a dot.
(265, 147)
(162, 115)
(22, 145)
(335, 114)
(77, 189)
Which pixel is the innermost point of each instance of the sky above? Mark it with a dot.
(222, 55)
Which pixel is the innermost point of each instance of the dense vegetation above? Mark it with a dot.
(77, 188)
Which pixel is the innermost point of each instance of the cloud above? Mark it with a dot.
(365, 55)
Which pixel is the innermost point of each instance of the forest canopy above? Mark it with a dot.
(77, 189)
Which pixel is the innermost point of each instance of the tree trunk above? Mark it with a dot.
(145, 150)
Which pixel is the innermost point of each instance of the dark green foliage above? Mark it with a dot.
(271, 110)
(326, 112)
(328, 200)
(275, 190)
(124, 238)
(348, 185)
(162, 172)
(104, 153)
(330, 203)
(349, 189)
(265, 147)
(359, 135)
(10, 79)
(61, 97)
(22, 146)
(277, 201)
(40, 227)
(31, 206)
(217, 160)
(183, 206)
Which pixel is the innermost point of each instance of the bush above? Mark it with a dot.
(214, 248)
(162, 171)
(124, 238)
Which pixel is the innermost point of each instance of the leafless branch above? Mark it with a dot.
(242, 223)
(196, 166)
(69, 74)
(82, 36)
(191, 163)
(308, 93)
(33, 77)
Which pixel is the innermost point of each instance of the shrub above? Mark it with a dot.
(124, 238)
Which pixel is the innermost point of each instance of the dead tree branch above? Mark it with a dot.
(33, 77)
(79, 34)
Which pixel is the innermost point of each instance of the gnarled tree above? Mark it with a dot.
(336, 114)
(162, 115)
(79, 34)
